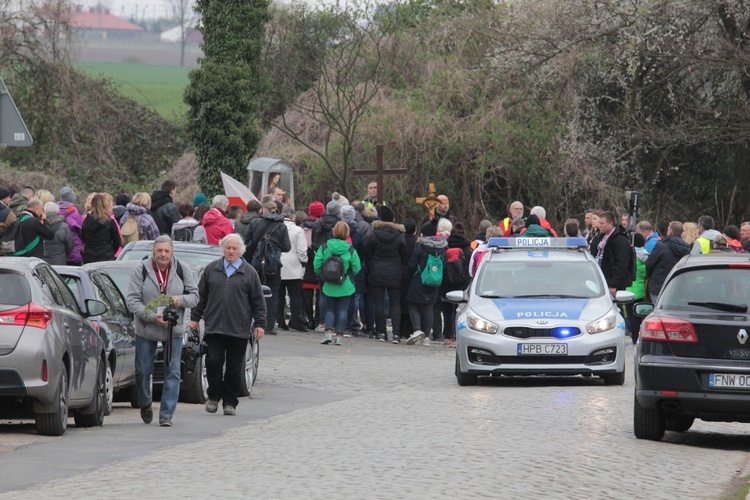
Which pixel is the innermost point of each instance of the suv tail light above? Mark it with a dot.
(668, 329)
(30, 314)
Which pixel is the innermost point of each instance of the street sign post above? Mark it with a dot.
(13, 131)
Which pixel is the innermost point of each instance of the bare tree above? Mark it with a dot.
(183, 11)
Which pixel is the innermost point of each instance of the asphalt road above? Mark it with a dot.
(374, 420)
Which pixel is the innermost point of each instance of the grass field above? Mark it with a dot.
(158, 87)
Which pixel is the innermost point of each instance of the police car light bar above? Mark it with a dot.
(498, 242)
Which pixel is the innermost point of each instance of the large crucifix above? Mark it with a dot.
(429, 201)
(380, 171)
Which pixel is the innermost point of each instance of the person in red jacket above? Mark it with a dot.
(215, 221)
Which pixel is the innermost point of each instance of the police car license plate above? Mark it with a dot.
(732, 380)
(543, 349)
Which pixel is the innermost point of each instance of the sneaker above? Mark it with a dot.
(165, 421)
(327, 339)
(147, 415)
(415, 337)
(382, 337)
(426, 342)
(347, 334)
(230, 410)
(212, 406)
(373, 335)
(396, 339)
(320, 328)
(338, 340)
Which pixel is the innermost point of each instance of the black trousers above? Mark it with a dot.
(224, 384)
(310, 297)
(294, 288)
(377, 293)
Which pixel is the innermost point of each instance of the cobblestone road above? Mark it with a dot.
(404, 429)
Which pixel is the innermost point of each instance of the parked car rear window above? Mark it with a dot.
(199, 260)
(688, 290)
(14, 289)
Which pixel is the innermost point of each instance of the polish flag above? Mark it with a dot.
(236, 192)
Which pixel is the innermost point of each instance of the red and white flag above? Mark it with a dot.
(236, 192)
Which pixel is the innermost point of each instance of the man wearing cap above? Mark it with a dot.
(73, 219)
(442, 211)
(371, 200)
(6, 214)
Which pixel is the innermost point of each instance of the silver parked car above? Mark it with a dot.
(52, 360)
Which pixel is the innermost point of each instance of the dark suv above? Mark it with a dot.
(692, 359)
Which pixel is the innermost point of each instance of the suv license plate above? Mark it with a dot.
(733, 380)
(542, 349)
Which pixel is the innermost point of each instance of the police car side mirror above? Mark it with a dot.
(622, 296)
(643, 309)
(456, 296)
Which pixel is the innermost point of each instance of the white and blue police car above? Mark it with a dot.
(539, 306)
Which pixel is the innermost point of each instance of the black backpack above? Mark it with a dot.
(12, 240)
(184, 233)
(266, 259)
(333, 270)
(177, 269)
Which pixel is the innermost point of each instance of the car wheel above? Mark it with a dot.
(198, 391)
(614, 378)
(647, 423)
(464, 379)
(54, 424)
(109, 381)
(248, 370)
(93, 414)
(679, 423)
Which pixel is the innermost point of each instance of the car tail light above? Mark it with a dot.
(30, 314)
(668, 329)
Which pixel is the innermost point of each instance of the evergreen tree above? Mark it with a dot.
(224, 94)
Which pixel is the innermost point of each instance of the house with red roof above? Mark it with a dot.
(101, 24)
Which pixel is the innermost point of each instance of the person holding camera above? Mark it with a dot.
(159, 290)
(233, 308)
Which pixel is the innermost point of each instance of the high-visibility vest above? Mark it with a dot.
(705, 244)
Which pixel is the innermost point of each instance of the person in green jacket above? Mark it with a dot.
(638, 287)
(337, 253)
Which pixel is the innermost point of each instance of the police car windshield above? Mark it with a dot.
(539, 280)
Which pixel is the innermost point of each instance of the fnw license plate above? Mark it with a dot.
(543, 349)
(732, 380)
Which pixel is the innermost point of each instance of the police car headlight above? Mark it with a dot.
(603, 324)
(481, 325)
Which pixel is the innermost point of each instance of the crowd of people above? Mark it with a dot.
(340, 268)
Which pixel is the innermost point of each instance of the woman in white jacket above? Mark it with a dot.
(292, 271)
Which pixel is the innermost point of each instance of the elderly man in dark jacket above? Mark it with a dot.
(665, 255)
(271, 223)
(233, 308)
(385, 253)
(163, 209)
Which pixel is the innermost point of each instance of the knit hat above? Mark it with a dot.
(122, 199)
(340, 198)
(347, 213)
(4, 192)
(200, 199)
(67, 194)
(428, 229)
(385, 213)
(532, 219)
(333, 207)
(316, 209)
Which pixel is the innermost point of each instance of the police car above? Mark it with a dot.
(539, 306)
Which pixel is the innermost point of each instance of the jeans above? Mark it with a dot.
(224, 384)
(294, 287)
(421, 317)
(145, 352)
(273, 282)
(378, 296)
(337, 310)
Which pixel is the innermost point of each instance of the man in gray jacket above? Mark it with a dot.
(155, 283)
(233, 308)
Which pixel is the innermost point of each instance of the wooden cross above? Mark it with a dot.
(380, 171)
(430, 201)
